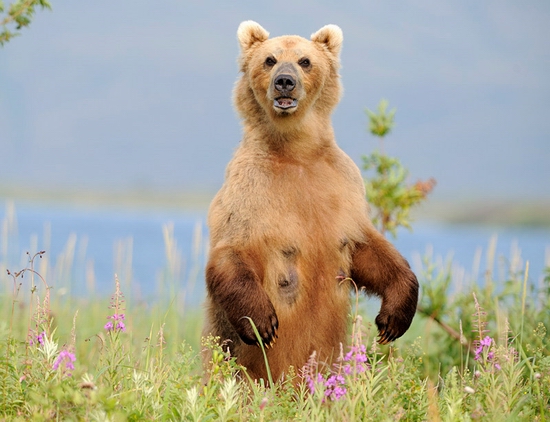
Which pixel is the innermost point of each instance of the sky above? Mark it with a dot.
(135, 95)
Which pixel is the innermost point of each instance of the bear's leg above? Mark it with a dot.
(381, 270)
(233, 281)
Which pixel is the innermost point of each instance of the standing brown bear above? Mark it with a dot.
(291, 220)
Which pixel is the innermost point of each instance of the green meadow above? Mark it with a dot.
(477, 350)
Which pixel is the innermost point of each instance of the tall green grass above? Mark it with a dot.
(477, 350)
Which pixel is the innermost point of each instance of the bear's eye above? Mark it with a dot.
(270, 61)
(304, 62)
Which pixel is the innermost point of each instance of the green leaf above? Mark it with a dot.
(19, 15)
(381, 123)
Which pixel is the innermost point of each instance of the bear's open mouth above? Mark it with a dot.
(285, 102)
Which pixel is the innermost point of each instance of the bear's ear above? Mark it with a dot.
(330, 36)
(249, 33)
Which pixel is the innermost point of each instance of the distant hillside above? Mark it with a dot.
(103, 199)
(472, 211)
(495, 212)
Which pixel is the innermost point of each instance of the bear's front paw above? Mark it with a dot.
(398, 308)
(393, 321)
(266, 325)
(389, 328)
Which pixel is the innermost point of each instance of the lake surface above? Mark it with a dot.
(163, 252)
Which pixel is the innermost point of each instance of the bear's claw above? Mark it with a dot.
(267, 328)
(271, 344)
(390, 328)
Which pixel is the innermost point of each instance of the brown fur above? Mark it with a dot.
(291, 216)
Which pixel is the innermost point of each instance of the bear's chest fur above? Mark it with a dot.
(270, 198)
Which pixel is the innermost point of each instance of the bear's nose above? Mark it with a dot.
(285, 83)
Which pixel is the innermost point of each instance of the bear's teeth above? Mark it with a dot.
(285, 102)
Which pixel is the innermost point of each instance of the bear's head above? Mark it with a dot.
(285, 78)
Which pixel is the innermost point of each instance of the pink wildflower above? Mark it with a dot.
(357, 360)
(116, 323)
(335, 387)
(38, 339)
(485, 343)
(65, 359)
(117, 300)
(311, 382)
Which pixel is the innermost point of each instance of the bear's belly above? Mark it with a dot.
(288, 287)
(311, 298)
(312, 307)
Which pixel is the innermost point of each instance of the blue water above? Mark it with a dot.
(96, 233)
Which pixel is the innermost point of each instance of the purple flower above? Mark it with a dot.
(65, 359)
(487, 341)
(39, 339)
(118, 317)
(331, 381)
(311, 382)
(338, 393)
(119, 326)
(357, 358)
(360, 358)
(357, 353)
(311, 385)
(478, 352)
(335, 387)
(117, 301)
